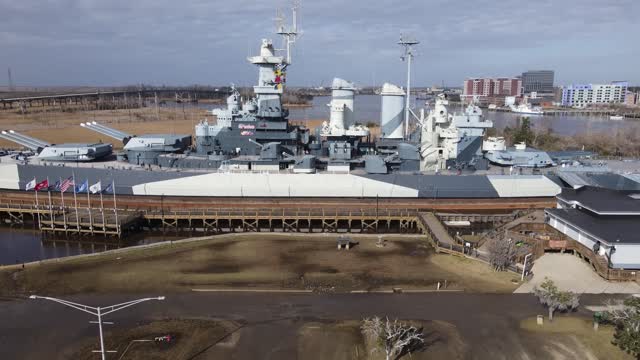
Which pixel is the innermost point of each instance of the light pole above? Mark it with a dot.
(524, 266)
(97, 311)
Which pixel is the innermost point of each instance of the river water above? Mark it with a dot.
(367, 108)
(25, 244)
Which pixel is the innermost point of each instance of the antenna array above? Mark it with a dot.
(289, 34)
(408, 44)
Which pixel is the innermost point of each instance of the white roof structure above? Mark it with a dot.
(524, 186)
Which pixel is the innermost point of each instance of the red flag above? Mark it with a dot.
(44, 184)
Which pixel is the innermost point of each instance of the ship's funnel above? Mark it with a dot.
(392, 111)
(342, 99)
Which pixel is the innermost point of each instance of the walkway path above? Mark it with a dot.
(436, 228)
(571, 273)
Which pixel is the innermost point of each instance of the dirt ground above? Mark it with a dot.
(188, 339)
(258, 261)
(344, 341)
(570, 337)
(214, 339)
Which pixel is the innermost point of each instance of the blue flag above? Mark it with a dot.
(108, 189)
(84, 187)
(56, 186)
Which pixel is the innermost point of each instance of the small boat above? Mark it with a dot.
(616, 117)
(526, 110)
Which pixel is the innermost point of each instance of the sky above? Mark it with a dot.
(124, 42)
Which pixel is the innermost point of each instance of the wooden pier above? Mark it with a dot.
(285, 220)
(69, 220)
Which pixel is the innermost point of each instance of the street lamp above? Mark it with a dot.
(97, 311)
(524, 266)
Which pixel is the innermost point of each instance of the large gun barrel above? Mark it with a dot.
(24, 140)
(105, 130)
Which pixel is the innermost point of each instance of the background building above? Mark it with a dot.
(491, 89)
(632, 99)
(592, 94)
(540, 81)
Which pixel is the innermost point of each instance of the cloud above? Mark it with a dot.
(161, 41)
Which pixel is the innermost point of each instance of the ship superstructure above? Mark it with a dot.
(520, 155)
(452, 140)
(247, 128)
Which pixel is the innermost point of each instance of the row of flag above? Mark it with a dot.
(64, 185)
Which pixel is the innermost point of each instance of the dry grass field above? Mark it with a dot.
(191, 336)
(344, 341)
(255, 261)
(57, 127)
(567, 338)
(570, 337)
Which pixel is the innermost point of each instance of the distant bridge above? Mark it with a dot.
(136, 95)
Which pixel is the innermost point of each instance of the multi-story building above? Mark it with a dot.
(593, 94)
(540, 81)
(491, 88)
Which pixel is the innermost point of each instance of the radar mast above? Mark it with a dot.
(407, 43)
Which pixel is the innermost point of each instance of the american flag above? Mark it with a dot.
(66, 184)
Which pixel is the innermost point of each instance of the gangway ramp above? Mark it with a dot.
(433, 226)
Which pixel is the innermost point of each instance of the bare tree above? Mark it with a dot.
(395, 338)
(555, 299)
(503, 252)
(625, 316)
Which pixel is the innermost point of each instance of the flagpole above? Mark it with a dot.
(37, 205)
(89, 207)
(64, 210)
(102, 209)
(50, 208)
(75, 201)
(115, 204)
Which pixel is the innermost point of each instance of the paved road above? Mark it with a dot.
(36, 329)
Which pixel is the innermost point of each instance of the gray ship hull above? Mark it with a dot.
(253, 184)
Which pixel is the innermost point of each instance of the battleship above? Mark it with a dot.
(253, 151)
